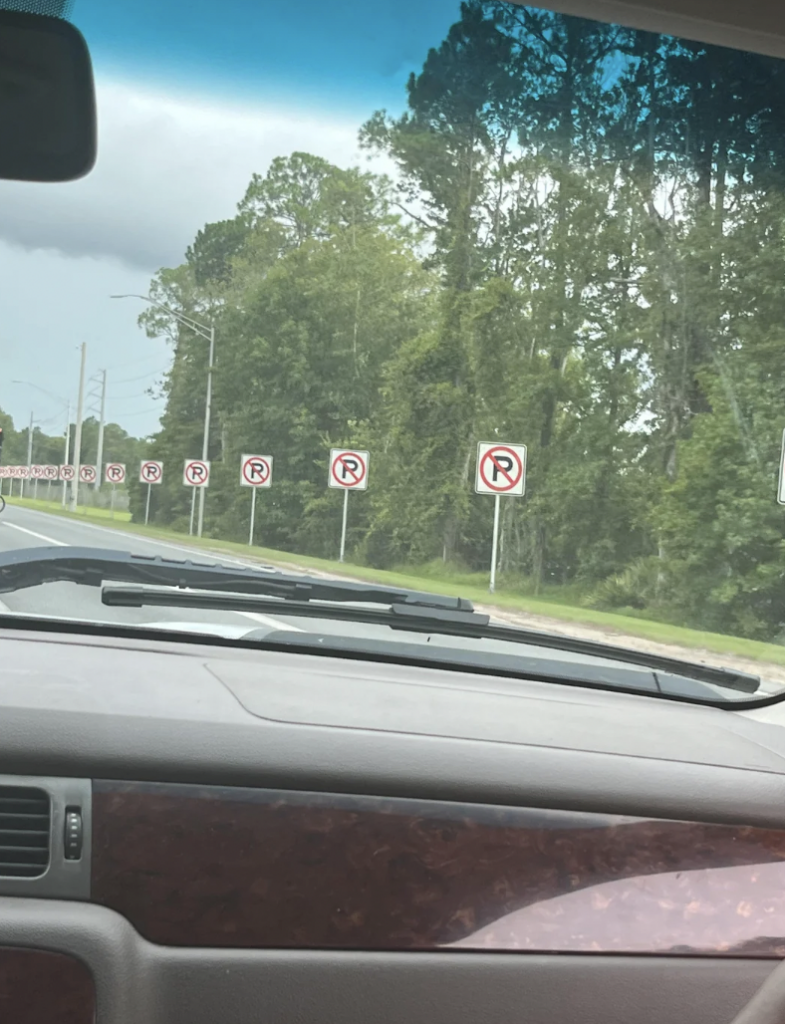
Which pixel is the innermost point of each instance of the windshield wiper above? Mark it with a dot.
(446, 621)
(32, 567)
(178, 582)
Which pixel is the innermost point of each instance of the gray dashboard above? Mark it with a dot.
(81, 708)
(192, 712)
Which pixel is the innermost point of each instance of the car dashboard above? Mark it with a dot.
(196, 832)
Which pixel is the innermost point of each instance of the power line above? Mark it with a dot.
(144, 376)
(140, 412)
(134, 362)
(137, 394)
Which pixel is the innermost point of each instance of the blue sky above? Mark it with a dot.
(193, 98)
(343, 53)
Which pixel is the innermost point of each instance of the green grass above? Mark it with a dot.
(473, 586)
(83, 512)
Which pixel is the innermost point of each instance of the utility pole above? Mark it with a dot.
(67, 447)
(100, 456)
(29, 453)
(78, 434)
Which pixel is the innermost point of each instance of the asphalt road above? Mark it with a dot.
(25, 528)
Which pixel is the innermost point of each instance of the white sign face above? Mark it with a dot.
(151, 472)
(67, 473)
(501, 468)
(196, 473)
(115, 473)
(781, 487)
(88, 474)
(256, 470)
(36, 472)
(51, 472)
(348, 469)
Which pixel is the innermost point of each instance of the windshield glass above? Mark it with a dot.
(475, 298)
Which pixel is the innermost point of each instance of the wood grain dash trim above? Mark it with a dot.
(260, 869)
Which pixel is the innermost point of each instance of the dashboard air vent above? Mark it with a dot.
(25, 815)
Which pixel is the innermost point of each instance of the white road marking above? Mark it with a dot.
(193, 552)
(38, 536)
(264, 620)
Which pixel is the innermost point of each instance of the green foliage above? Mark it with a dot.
(583, 250)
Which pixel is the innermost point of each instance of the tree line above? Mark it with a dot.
(582, 250)
(49, 449)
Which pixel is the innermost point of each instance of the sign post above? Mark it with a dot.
(50, 474)
(150, 472)
(115, 474)
(349, 472)
(196, 473)
(66, 474)
(501, 469)
(255, 471)
(781, 486)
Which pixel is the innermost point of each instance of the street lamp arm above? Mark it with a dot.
(198, 328)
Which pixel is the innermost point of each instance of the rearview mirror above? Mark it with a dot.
(47, 99)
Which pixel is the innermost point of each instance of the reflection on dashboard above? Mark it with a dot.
(216, 866)
(733, 910)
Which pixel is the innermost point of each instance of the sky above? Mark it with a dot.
(193, 98)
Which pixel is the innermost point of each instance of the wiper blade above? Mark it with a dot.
(32, 567)
(442, 621)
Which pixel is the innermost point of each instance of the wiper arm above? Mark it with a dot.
(400, 613)
(32, 567)
(441, 620)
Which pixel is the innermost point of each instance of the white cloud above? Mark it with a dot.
(166, 166)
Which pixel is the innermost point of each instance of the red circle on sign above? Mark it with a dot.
(251, 479)
(192, 465)
(357, 480)
(511, 482)
(115, 479)
(67, 472)
(87, 474)
(151, 471)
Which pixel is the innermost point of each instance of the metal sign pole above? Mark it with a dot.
(147, 505)
(495, 545)
(253, 516)
(193, 507)
(343, 528)
(112, 501)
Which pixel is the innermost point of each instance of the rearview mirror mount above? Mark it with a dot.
(47, 99)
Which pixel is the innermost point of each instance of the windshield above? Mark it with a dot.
(477, 299)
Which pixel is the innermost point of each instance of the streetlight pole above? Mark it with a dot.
(78, 434)
(208, 333)
(206, 437)
(29, 454)
(99, 475)
(67, 447)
